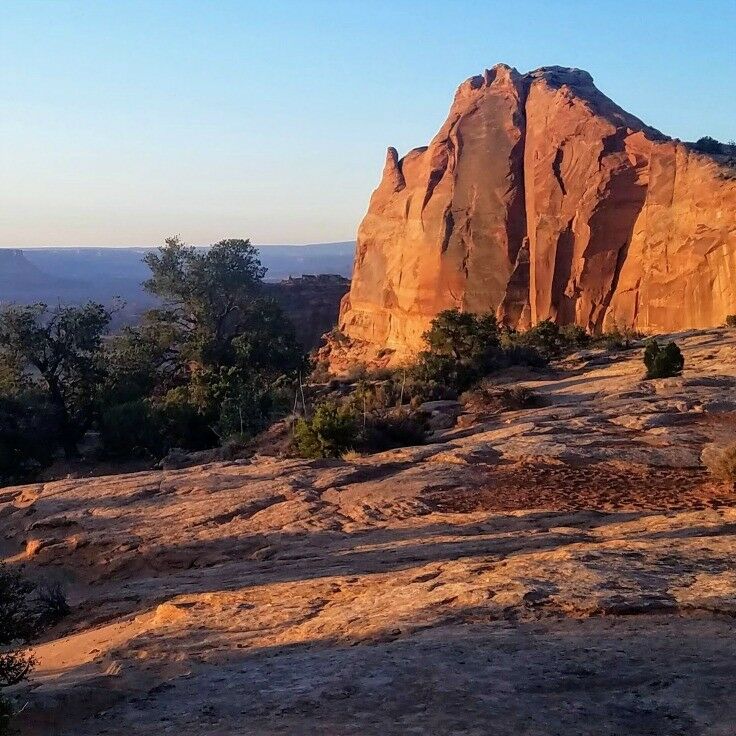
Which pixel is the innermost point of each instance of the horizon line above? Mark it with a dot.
(196, 245)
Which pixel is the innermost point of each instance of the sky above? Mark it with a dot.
(124, 122)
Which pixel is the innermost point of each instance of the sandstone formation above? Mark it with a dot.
(541, 198)
(566, 569)
(312, 303)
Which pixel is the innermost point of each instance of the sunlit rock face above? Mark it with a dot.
(541, 198)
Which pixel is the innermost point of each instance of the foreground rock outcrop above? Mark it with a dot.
(541, 198)
(564, 569)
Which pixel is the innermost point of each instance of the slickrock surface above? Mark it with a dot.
(541, 198)
(562, 570)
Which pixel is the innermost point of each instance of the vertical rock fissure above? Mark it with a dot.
(447, 228)
(556, 169)
(605, 303)
(563, 306)
(516, 298)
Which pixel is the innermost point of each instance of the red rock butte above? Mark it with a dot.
(540, 198)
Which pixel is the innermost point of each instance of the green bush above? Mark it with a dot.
(396, 428)
(574, 336)
(152, 427)
(417, 391)
(731, 320)
(551, 340)
(370, 396)
(336, 429)
(244, 403)
(523, 355)
(131, 429)
(533, 347)
(329, 433)
(183, 423)
(617, 339)
(544, 337)
(19, 623)
(462, 348)
(29, 435)
(663, 362)
(708, 144)
(398, 390)
(356, 372)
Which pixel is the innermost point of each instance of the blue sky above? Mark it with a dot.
(124, 122)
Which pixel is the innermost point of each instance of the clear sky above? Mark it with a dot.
(122, 122)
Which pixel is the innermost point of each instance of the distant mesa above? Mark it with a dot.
(14, 266)
(540, 198)
(311, 302)
(76, 275)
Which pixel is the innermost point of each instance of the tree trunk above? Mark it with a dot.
(68, 438)
(71, 451)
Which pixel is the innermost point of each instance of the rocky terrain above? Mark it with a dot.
(557, 570)
(541, 198)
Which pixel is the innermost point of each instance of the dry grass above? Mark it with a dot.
(351, 456)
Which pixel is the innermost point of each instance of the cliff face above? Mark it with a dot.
(541, 198)
(311, 303)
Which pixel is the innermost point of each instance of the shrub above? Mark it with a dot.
(504, 399)
(519, 397)
(381, 374)
(537, 345)
(417, 391)
(721, 462)
(376, 396)
(51, 603)
(462, 348)
(617, 339)
(524, 355)
(708, 144)
(336, 430)
(544, 337)
(663, 362)
(396, 428)
(330, 432)
(245, 408)
(574, 336)
(18, 624)
(131, 429)
(29, 436)
(731, 320)
(183, 424)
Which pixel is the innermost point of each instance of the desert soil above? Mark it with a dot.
(560, 570)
